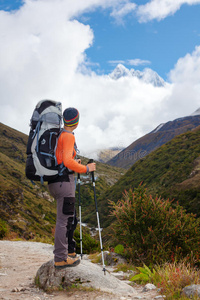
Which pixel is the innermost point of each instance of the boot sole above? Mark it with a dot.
(68, 266)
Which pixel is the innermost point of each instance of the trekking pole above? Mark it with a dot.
(98, 222)
(79, 201)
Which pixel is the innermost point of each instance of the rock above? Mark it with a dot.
(15, 290)
(86, 274)
(46, 196)
(149, 287)
(119, 275)
(191, 290)
(127, 282)
(113, 258)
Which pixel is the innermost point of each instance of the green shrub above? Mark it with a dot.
(89, 244)
(151, 231)
(119, 249)
(3, 229)
(145, 275)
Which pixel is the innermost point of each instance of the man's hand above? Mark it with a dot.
(92, 167)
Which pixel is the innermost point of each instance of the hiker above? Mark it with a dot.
(63, 190)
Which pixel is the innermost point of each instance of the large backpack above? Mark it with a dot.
(46, 122)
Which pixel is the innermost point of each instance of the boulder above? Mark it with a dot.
(191, 290)
(86, 274)
(149, 287)
(113, 258)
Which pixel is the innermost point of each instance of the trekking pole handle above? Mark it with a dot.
(92, 173)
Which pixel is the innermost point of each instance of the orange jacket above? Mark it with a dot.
(65, 152)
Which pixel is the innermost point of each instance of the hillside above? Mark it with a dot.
(26, 209)
(107, 154)
(172, 171)
(153, 140)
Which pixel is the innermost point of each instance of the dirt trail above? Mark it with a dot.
(19, 262)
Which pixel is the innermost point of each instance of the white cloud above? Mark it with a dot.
(115, 112)
(123, 9)
(187, 69)
(130, 62)
(160, 9)
(41, 51)
(116, 62)
(138, 62)
(186, 86)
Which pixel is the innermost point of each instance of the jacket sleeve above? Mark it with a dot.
(68, 141)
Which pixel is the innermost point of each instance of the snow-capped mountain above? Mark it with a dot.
(162, 134)
(147, 75)
(197, 112)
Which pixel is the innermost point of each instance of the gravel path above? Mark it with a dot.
(19, 262)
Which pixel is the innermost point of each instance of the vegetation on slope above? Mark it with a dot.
(152, 232)
(26, 209)
(171, 171)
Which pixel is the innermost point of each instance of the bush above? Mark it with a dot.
(3, 229)
(89, 244)
(119, 249)
(151, 231)
(171, 278)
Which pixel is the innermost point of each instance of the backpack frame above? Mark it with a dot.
(46, 122)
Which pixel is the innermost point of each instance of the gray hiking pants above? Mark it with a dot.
(64, 194)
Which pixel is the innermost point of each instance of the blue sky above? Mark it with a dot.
(159, 43)
(64, 50)
(9, 5)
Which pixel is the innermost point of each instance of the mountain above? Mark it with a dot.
(172, 171)
(147, 75)
(153, 140)
(26, 209)
(105, 155)
(197, 112)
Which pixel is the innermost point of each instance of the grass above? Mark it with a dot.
(124, 268)
(169, 278)
(43, 239)
(95, 258)
(172, 278)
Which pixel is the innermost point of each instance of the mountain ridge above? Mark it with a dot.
(147, 75)
(153, 140)
(172, 171)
